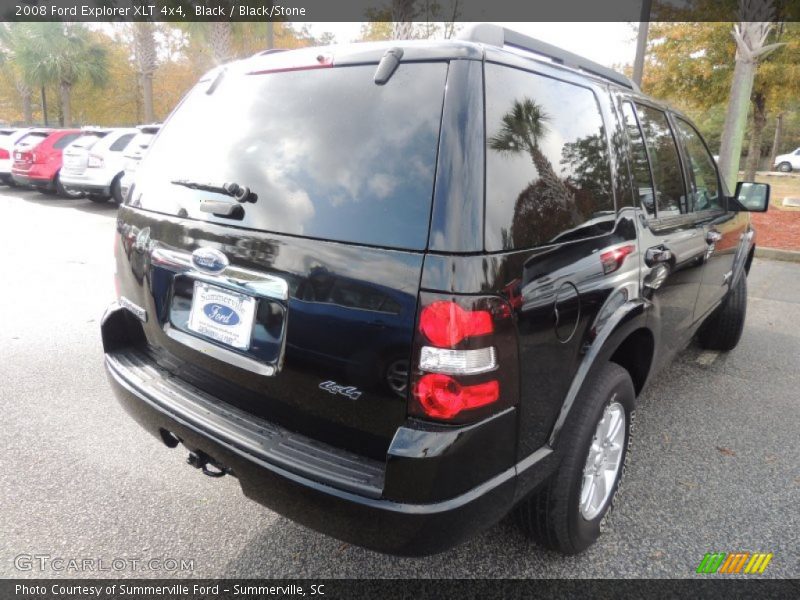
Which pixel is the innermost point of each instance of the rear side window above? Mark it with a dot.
(120, 144)
(665, 162)
(65, 141)
(548, 177)
(329, 153)
(702, 169)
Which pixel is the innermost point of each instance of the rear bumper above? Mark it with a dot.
(329, 490)
(32, 181)
(92, 181)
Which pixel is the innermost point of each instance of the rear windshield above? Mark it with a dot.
(32, 139)
(329, 153)
(88, 140)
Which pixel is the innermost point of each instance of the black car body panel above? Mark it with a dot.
(314, 413)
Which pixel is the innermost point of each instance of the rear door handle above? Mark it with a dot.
(657, 255)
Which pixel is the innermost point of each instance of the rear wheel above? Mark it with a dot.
(64, 192)
(785, 167)
(723, 328)
(568, 514)
(116, 189)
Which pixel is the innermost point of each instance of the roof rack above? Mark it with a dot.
(494, 35)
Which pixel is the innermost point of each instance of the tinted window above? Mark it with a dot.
(547, 172)
(640, 167)
(329, 153)
(703, 171)
(665, 162)
(121, 143)
(66, 140)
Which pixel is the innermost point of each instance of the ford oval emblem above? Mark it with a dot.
(210, 260)
(219, 313)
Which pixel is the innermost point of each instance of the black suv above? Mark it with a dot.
(401, 289)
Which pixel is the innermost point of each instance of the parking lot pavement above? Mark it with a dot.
(715, 463)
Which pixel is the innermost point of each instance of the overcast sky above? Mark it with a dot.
(606, 43)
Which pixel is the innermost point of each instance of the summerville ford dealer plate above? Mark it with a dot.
(222, 315)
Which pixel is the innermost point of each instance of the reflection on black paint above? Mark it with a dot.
(555, 150)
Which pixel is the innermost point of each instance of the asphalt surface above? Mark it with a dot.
(715, 463)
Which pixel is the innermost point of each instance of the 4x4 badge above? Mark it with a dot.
(334, 388)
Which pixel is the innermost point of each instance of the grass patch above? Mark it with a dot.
(780, 188)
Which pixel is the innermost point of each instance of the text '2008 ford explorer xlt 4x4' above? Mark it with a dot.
(401, 289)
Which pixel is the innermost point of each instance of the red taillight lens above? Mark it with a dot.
(442, 397)
(464, 359)
(4, 154)
(446, 324)
(613, 259)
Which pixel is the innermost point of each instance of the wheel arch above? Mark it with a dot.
(623, 337)
(635, 355)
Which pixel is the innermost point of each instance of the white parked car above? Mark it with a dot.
(786, 163)
(94, 163)
(8, 138)
(136, 150)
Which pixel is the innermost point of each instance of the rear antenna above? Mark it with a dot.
(388, 65)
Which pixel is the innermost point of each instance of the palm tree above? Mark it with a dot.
(751, 47)
(10, 38)
(62, 54)
(523, 126)
(146, 60)
(548, 196)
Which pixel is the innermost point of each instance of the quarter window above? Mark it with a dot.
(65, 141)
(548, 178)
(120, 144)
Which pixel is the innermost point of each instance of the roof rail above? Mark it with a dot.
(494, 35)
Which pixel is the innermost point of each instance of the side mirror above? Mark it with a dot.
(752, 197)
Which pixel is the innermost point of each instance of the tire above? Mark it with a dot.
(116, 189)
(556, 516)
(785, 167)
(98, 199)
(723, 328)
(64, 192)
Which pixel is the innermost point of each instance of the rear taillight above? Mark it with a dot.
(95, 161)
(465, 358)
(4, 155)
(32, 157)
(443, 397)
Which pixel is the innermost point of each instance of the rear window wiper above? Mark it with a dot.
(234, 190)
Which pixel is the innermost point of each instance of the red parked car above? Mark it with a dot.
(37, 159)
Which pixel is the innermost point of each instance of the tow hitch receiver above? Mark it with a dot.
(201, 460)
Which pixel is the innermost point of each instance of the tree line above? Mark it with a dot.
(70, 74)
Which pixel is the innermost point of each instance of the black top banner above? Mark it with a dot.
(382, 10)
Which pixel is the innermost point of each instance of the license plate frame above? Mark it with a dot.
(222, 316)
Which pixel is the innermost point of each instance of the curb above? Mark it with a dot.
(777, 254)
